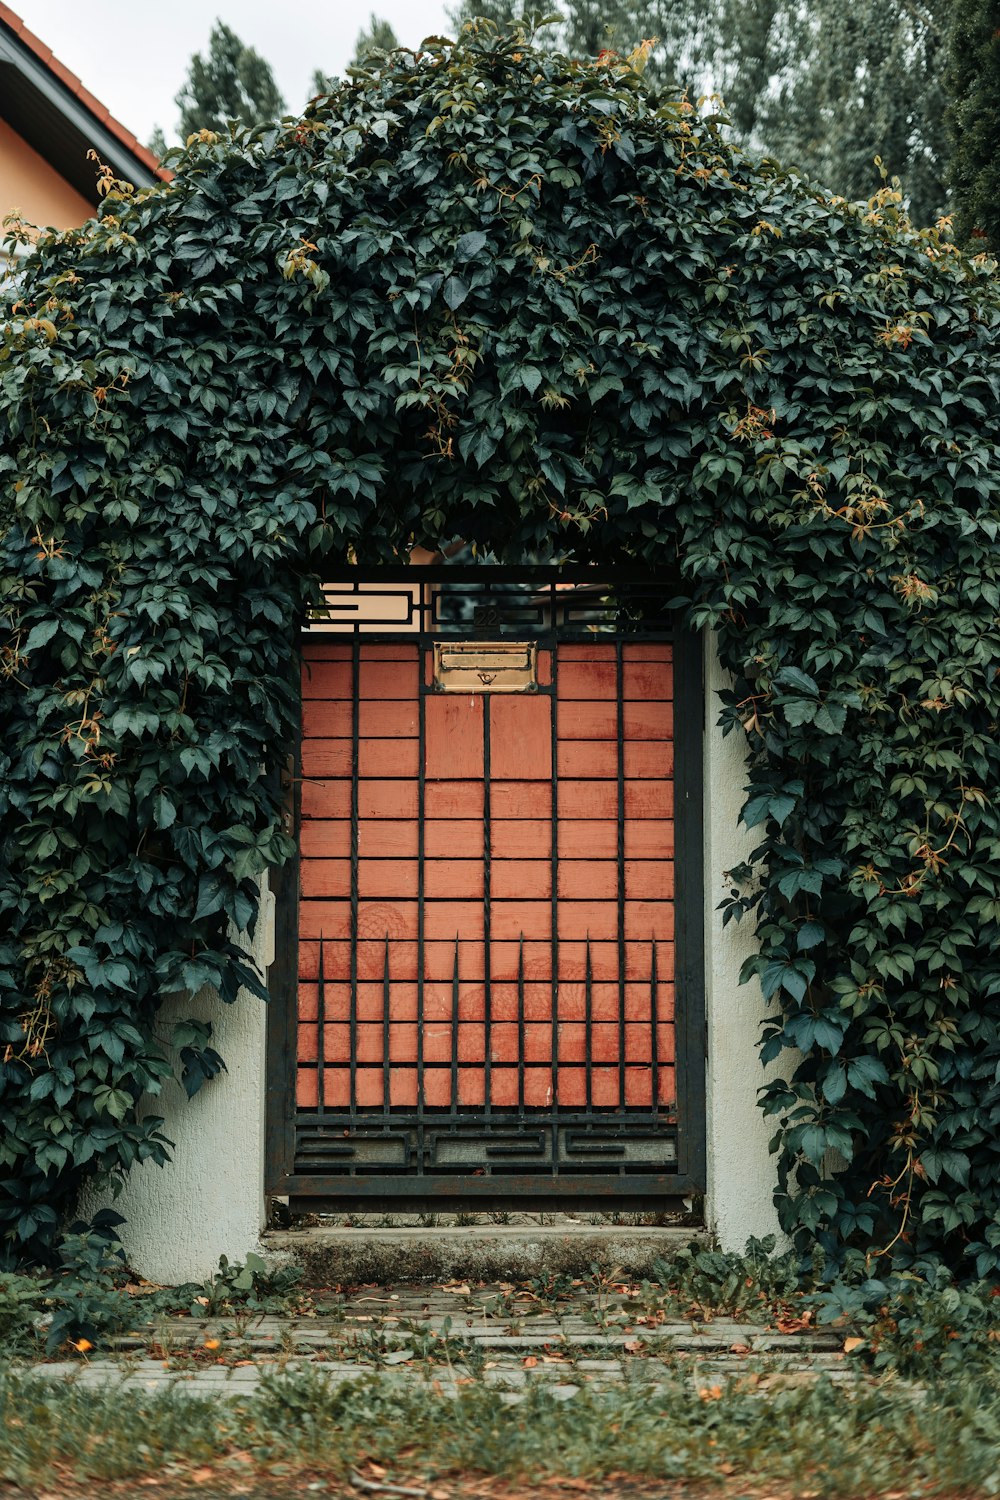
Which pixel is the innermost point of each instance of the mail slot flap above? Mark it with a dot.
(485, 666)
(503, 655)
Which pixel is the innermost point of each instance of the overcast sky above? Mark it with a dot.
(134, 54)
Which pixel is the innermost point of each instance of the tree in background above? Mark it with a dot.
(859, 81)
(322, 83)
(157, 143)
(684, 31)
(504, 14)
(753, 52)
(379, 37)
(973, 122)
(826, 87)
(232, 83)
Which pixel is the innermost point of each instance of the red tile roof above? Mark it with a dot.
(70, 81)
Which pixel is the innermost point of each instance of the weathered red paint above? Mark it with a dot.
(520, 738)
(453, 739)
(452, 880)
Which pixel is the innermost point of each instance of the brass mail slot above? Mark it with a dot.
(485, 667)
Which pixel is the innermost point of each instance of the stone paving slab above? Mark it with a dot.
(562, 1378)
(451, 1334)
(493, 1316)
(316, 1339)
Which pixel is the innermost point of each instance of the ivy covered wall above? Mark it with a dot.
(486, 293)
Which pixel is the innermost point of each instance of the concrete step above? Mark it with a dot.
(350, 1256)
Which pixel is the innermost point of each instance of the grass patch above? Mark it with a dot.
(89, 1299)
(857, 1439)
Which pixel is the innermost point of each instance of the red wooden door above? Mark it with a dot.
(486, 912)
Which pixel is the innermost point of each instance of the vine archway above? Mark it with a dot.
(484, 292)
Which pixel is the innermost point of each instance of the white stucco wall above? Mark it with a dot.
(741, 1172)
(209, 1200)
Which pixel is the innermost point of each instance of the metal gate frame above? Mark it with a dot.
(315, 1192)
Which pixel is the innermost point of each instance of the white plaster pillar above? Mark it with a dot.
(209, 1198)
(741, 1172)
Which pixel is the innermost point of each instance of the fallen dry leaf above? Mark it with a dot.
(529, 1361)
(854, 1343)
(202, 1476)
(793, 1325)
(739, 1348)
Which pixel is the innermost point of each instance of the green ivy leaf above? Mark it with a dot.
(455, 292)
(468, 246)
(39, 634)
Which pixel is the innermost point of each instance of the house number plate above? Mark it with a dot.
(485, 667)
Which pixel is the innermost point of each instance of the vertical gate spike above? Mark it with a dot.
(589, 1027)
(654, 1025)
(455, 993)
(320, 1032)
(352, 1017)
(520, 1024)
(386, 1034)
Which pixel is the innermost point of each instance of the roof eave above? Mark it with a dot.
(114, 144)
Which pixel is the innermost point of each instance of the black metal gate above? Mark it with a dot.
(488, 982)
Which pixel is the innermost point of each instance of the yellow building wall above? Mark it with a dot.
(29, 185)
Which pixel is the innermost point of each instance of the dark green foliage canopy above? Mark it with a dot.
(974, 119)
(232, 83)
(491, 296)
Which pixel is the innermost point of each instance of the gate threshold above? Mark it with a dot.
(341, 1256)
